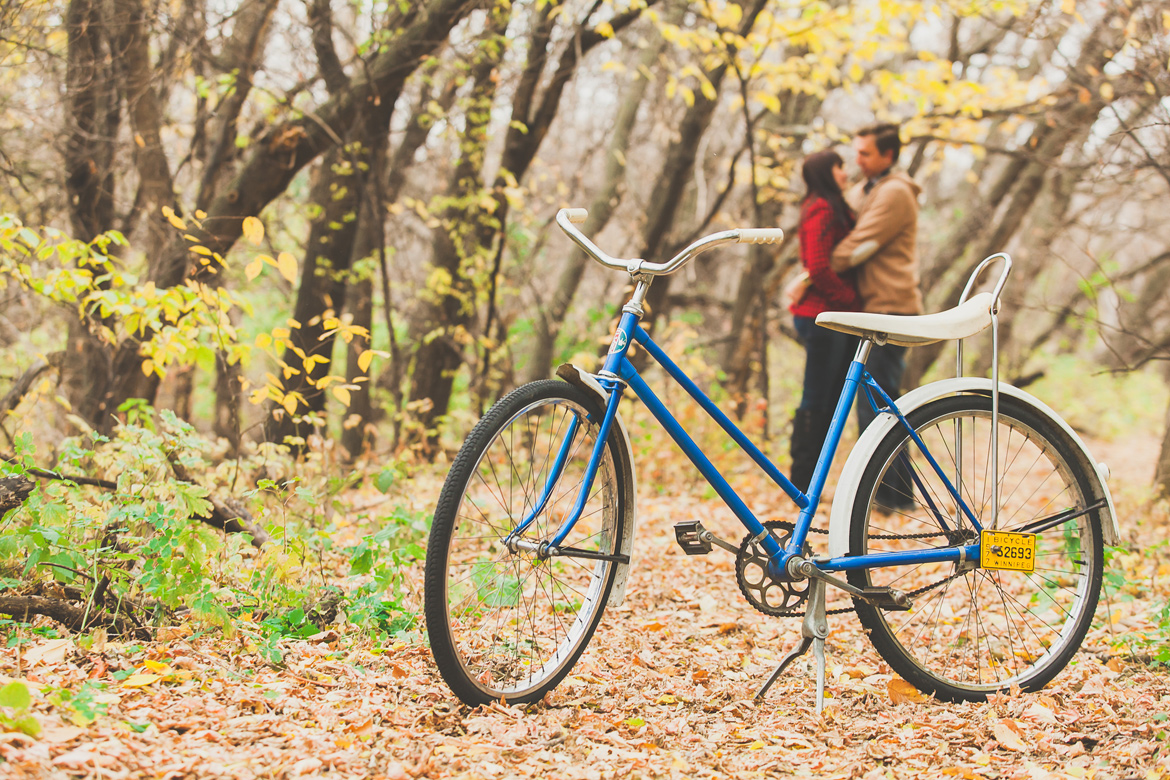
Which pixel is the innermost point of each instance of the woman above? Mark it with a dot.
(825, 219)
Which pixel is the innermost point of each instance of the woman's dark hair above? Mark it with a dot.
(818, 178)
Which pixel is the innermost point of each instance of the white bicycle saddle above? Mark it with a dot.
(914, 330)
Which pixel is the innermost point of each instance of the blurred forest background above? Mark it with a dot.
(325, 228)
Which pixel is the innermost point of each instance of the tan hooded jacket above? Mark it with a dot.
(884, 247)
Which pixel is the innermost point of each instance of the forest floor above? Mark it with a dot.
(664, 690)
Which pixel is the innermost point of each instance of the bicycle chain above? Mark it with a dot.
(790, 527)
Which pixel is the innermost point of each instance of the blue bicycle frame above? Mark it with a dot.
(619, 373)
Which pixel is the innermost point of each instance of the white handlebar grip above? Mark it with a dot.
(576, 216)
(760, 235)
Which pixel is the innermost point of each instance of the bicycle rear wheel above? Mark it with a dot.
(506, 624)
(974, 631)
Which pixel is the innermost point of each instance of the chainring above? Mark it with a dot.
(766, 595)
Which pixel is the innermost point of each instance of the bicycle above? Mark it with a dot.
(984, 584)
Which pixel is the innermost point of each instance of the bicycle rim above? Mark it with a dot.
(518, 623)
(973, 631)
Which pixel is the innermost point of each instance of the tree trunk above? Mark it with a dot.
(336, 190)
(283, 150)
(93, 118)
(531, 123)
(240, 57)
(228, 393)
(417, 130)
(456, 242)
(749, 315)
(357, 427)
(678, 171)
(609, 196)
(130, 44)
(1162, 472)
(480, 235)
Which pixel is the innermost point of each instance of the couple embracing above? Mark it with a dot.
(859, 251)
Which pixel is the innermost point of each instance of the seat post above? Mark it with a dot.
(863, 350)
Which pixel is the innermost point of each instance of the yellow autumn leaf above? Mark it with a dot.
(768, 101)
(1069, 6)
(287, 265)
(253, 230)
(263, 340)
(253, 269)
(1106, 92)
(902, 691)
(341, 393)
(140, 680)
(157, 666)
(365, 359)
(173, 218)
(147, 367)
(289, 403)
(201, 250)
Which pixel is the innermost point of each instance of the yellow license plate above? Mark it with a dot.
(1007, 550)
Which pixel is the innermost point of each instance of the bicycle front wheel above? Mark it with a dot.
(504, 623)
(973, 631)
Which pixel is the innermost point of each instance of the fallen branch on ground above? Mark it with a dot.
(75, 617)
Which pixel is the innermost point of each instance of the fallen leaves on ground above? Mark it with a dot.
(665, 690)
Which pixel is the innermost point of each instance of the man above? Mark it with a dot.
(883, 249)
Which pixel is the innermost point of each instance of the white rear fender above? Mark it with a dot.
(840, 517)
(575, 375)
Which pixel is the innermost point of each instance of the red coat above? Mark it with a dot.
(820, 231)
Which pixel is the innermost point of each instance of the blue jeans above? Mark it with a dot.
(886, 365)
(827, 358)
(828, 354)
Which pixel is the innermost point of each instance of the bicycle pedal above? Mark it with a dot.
(887, 598)
(692, 537)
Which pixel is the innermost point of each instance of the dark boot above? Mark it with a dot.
(809, 428)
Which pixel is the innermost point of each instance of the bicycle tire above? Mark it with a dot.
(978, 631)
(507, 625)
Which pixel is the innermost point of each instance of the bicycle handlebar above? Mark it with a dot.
(567, 218)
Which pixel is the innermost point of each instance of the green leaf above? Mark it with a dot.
(15, 695)
(28, 724)
(385, 479)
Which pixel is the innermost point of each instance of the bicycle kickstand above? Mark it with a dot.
(813, 632)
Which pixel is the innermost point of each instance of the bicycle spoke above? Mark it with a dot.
(516, 621)
(1000, 627)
